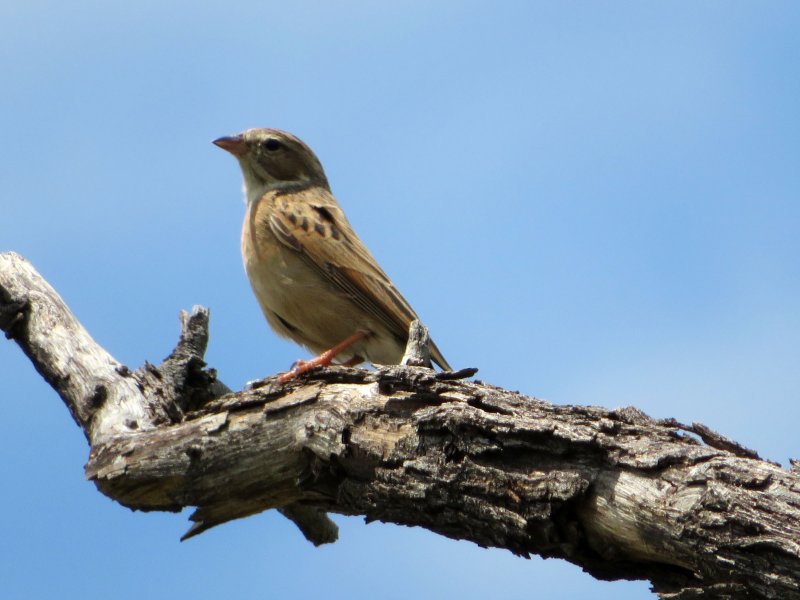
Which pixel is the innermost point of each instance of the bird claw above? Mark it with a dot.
(324, 359)
(298, 368)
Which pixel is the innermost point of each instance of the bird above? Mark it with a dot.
(313, 277)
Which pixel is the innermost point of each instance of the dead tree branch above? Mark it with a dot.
(614, 491)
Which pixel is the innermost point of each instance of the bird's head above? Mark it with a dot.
(273, 160)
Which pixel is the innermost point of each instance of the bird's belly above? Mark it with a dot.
(299, 303)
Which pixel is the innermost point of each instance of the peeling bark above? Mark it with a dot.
(620, 494)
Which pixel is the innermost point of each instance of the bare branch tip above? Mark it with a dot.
(417, 352)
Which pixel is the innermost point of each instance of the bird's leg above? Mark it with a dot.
(324, 359)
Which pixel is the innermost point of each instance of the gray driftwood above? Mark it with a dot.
(614, 491)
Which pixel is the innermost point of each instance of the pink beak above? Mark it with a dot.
(233, 144)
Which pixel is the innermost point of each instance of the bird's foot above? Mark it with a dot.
(323, 360)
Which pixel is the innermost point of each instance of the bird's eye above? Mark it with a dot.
(272, 144)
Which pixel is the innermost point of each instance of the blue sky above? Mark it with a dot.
(594, 203)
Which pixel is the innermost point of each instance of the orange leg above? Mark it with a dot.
(324, 359)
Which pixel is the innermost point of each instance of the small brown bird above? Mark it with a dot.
(316, 282)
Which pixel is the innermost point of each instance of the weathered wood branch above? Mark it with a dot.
(614, 491)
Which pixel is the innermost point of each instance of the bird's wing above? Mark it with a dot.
(312, 223)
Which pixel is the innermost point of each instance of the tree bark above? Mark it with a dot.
(620, 494)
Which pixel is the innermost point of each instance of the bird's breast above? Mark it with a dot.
(270, 266)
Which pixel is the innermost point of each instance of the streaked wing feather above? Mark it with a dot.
(312, 223)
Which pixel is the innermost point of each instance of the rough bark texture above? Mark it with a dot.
(614, 491)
